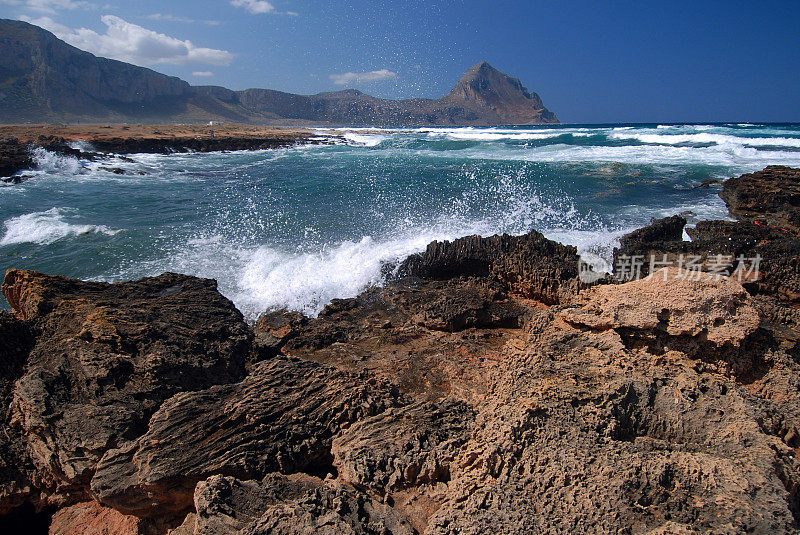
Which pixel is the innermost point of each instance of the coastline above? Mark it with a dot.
(485, 382)
(16, 141)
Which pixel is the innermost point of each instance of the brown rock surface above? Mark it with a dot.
(109, 355)
(16, 341)
(91, 518)
(290, 505)
(403, 447)
(678, 302)
(765, 233)
(431, 338)
(282, 417)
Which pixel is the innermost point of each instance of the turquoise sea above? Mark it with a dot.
(297, 227)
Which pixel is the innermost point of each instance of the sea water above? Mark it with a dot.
(297, 227)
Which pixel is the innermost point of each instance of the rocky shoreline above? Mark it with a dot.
(17, 142)
(484, 389)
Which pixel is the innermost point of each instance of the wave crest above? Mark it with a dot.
(47, 227)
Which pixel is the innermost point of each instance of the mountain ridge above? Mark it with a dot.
(44, 79)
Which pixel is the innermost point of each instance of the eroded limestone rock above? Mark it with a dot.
(677, 302)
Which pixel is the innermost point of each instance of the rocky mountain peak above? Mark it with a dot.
(486, 87)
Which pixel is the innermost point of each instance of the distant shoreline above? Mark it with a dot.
(17, 140)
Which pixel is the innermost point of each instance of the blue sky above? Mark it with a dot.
(590, 61)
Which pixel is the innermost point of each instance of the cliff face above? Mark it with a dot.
(44, 79)
(41, 77)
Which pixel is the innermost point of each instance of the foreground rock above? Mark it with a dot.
(712, 307)
(482, 390)
(286, 505)
(762, 250)
(281, 418)
(104, 359)
(587, 431)
(93, 518)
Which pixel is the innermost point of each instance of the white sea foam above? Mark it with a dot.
(364, 140)
(51, 162)
(738, 158)
(306, 282)
(262, 277)
(47, 227)
(683, 127)
(704, 138)
(82, 145)
(497, 134)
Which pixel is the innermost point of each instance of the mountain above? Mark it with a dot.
(486, 88)
(44, 79)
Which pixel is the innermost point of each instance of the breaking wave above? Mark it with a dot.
(47, 227)
(300, 226)
(53, 163)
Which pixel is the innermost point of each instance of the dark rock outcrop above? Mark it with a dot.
(110, 354)
(16, 342)
(133, 145)
(659, 231)
(14, 157)
(770, 197)
(530, 265)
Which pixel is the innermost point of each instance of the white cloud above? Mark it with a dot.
(184, 20)
(360, 77)
(134, 44)
(48, 6)
(203, 74)
(256, 7)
